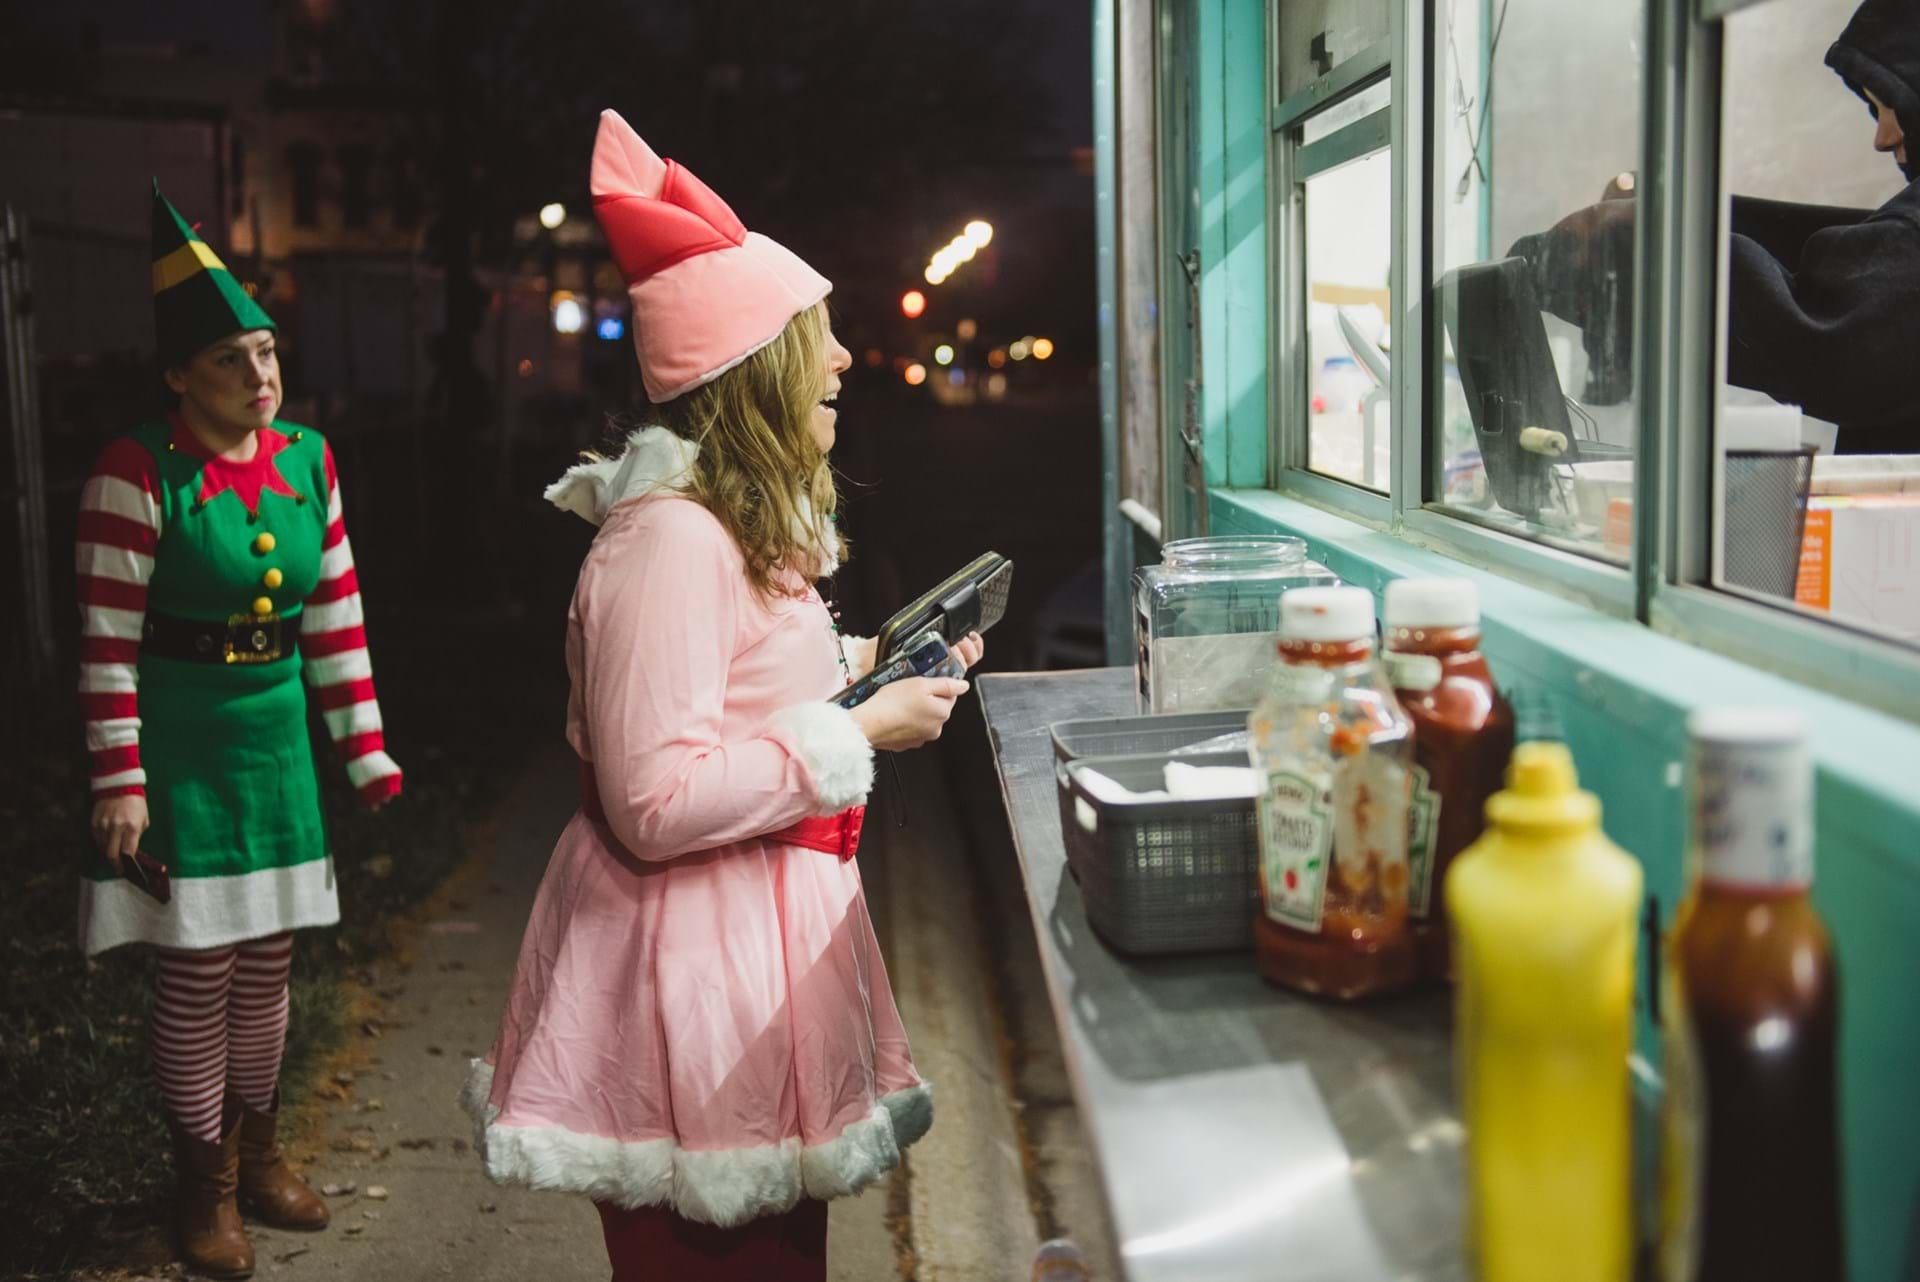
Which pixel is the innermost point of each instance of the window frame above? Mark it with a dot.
(1287, 284)
(1667, 583)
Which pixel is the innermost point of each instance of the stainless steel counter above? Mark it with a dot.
(1243, 1134)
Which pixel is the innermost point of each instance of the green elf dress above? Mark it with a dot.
(214, 596)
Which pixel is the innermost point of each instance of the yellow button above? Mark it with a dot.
(263, 606)
(271, 578)
(264, 543)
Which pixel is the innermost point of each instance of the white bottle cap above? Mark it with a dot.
(1741, 726)
(1753, 796)
(1326, 614)
(1433, 603)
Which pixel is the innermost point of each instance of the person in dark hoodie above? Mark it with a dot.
(1823, 305)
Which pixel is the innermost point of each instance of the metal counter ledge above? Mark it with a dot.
(1243, 1134)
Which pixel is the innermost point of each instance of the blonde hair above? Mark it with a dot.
(759, 470)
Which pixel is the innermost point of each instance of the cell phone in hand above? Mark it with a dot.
(149, 874)
(927, 655)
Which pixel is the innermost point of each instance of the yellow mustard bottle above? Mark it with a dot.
(1543, 909)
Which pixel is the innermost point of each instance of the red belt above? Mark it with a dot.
(835, 834)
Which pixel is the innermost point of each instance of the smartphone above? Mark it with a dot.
(927, 655)
(149, 874)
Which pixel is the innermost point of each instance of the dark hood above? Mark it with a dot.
(1880, 51)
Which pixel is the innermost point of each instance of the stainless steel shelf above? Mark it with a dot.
(1243, 1134)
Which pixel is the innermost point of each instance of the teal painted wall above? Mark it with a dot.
(1231, 150)
(1622, 692)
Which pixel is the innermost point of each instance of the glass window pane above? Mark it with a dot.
(1349, 244)
(1318, 35)
(1538, 115)
(1816, 475)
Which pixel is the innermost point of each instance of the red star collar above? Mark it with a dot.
(249, 480)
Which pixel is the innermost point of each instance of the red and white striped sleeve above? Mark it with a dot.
(113, 557)
(333, 643)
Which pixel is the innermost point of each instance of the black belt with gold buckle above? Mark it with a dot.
(243, 638)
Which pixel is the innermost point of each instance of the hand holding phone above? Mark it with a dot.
(909, 712)
(117, 825)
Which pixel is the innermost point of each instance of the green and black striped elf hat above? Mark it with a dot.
(196, 300)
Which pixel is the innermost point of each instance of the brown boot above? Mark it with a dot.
(206, 1217)
(268, 1187)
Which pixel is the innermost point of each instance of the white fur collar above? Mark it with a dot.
(654, 461)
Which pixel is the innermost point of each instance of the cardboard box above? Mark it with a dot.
(1860, 561)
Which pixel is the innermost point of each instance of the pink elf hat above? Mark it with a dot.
(707, 293)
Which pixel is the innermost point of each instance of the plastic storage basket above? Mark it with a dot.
(1157, 876)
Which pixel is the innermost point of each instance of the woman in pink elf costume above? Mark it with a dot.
(700, 1035)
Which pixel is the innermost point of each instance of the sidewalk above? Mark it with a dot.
(412, 1203)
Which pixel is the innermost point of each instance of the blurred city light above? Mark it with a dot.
(966, 329)
(551, 216)
(611, 328)
(875, 358)
(525, 368)
(916, 374)
(959, 250)
(1041, 348)
(912, 303)
(569, 317)
(997, 357)
(1018, 349)
(943, 354)
(956, 377)
(996, 386)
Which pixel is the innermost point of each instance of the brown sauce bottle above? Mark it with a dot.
(1463, 735)
(1751, 1157)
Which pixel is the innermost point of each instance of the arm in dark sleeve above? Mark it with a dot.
(1835, 335)
(1782, 227)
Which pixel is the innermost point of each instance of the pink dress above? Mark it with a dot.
(700, 1017)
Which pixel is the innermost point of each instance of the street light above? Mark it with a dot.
(569, 317)
(551, 216)
(979, 232)
(912, 303)
(943, 354)
(1041, 348)
(916, 374)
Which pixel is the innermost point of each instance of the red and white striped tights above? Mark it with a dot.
(220, 1024)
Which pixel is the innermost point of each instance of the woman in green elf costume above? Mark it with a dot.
(214, 574)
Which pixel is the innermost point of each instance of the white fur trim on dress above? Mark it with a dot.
(834, 749)
(726, 1187)
(209, 912)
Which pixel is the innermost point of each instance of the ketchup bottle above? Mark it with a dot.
(1463, 735)
(1333, 750)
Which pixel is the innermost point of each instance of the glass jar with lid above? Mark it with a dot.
(1204, 619)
